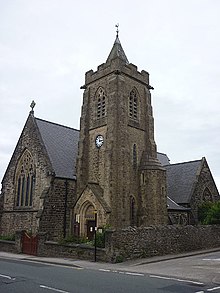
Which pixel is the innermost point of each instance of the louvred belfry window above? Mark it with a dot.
(133, 104)
(101, 104)
(25, 180)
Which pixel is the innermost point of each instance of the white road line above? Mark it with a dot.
(213, 289)
(214, 259)
(200, 292)
(122, 272)
(53, 289)
(7, 277)
(175, 279)
(134, 274)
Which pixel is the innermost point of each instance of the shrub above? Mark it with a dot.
(7, 237)
(119, 258)
(100, 240)
(73, 239)
(100, 237)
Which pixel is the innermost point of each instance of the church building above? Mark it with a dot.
(65, 181)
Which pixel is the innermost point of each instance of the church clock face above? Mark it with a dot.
(99, 141)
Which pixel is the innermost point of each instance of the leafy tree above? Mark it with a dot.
(209, 213)
(203, 211)
(213, 215)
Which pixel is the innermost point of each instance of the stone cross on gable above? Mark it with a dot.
(32, 105)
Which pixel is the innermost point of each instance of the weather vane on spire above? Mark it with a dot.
(32, 105)
(117, 31)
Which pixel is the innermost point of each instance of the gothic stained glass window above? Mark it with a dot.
(133, 104)
(101, 104)
(134, 154)
(18, 191)
(25, 180)
(27, 190)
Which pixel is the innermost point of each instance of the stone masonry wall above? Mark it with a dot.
(8, 246)
(142, 242)
(130, 243)
(14, 218)
(76, 251)
(205, 181)
(58, 205)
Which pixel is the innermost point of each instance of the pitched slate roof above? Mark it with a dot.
(61, 143)
(181, 178)
(163, 158)
(172, 205)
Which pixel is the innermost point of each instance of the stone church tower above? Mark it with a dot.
(118, 174)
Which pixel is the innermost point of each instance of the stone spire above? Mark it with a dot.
(117, 50)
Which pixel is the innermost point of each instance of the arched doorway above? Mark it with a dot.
(90, 221)
(87, 220)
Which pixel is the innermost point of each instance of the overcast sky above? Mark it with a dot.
(46, 46)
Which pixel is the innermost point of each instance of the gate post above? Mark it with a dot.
(42, 238)
(18, 240)
(109, 244)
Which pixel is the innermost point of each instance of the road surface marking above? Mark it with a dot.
(213, 289)
(134, 274)
(175, 279)
(215, 259)
(53, 289)
(104, 270)
(200, 292)
(122, 272)
(7, 277)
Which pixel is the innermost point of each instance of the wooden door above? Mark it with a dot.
(90, 229)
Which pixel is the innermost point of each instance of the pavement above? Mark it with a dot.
(130, 265)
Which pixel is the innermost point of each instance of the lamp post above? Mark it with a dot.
(95, 212)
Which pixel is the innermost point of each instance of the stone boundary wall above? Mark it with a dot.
(130, 243)
(75, 251)
(12, 246)
(141, 242)
(8, 246)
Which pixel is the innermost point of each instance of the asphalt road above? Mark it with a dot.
(203, 268)
(22, 276)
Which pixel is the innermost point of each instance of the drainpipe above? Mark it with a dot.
(65, 208)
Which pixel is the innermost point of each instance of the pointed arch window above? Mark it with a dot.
(207, 196)
(101, 104)
(132, 211)
(133, 104)
(134, 156)
(25, 180)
